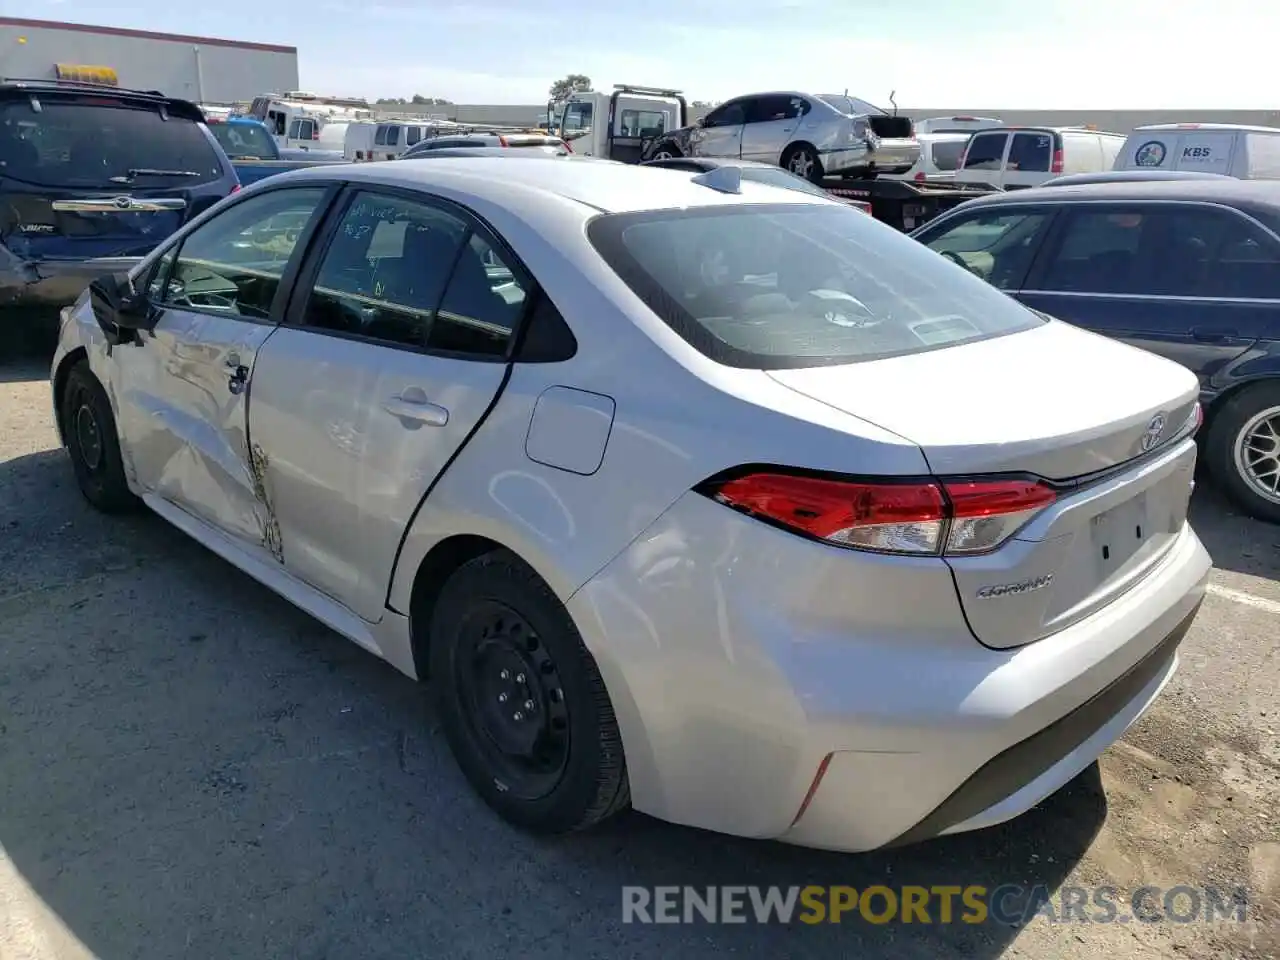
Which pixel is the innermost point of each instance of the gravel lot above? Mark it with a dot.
(191, 767)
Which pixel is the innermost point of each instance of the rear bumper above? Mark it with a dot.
(742, 660)
(54, 283)
(881, 156)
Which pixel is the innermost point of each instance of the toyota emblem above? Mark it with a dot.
(1153, 431)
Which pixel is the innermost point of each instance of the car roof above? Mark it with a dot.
(1241, 193)
(606, 187)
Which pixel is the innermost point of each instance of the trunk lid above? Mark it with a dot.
(891, 128)
(1097, 417)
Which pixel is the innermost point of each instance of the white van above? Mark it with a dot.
(1231, 149)
(357, 142)
(1015, 158)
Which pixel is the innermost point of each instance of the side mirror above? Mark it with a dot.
(117, 307)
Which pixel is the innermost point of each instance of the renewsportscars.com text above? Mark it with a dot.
(1009, 904)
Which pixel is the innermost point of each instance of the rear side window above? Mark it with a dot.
(1031, 152)
(75, 144)
(986, 152)
(946, 155)
(801, 285)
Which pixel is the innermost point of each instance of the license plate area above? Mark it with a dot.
(1119, 534)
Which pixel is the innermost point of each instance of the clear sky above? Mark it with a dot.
(965, 54)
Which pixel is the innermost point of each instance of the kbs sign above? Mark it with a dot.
(1208, 153)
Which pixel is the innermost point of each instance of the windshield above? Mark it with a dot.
(799, 285)
(244, 141)
(851, 105)
(76, 144)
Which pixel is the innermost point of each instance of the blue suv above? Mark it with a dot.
(92, 178)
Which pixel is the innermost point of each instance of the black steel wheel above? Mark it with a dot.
(89, 427)
(514, 702)
(521, 700)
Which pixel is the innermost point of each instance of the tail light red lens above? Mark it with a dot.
(568, 146)
(920, 177)
(1056, 167)
(235, 189)
(918, 517)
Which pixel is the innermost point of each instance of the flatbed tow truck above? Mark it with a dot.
(619, 125)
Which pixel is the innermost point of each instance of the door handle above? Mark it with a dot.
(413, 404)
(1206, 335)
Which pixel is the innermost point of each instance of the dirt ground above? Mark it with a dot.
(191, 767)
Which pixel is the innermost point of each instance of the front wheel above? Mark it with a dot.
(1243, 450)
(90, 430)
(666, 151)
(521, 700)
(803, 161)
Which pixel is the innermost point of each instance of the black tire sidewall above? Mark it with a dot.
(503, 578)
(105, 488)
(1220, 448)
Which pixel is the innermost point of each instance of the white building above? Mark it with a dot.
(194, 68)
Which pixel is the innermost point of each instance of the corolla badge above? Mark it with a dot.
(1151, 435)
(1013, 589)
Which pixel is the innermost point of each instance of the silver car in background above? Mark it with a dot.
(812, 136)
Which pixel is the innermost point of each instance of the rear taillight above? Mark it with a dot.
(920, 177)
(1197, 419)
(1056, 166)
(568, 147)
(952, 517)
(235, 189)
(315, 134)
(502, 141)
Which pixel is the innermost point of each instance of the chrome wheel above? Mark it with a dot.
(801, 164)
(664, 155)
(1257, 454)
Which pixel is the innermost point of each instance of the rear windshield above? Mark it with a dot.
(76, 144)
(946, 155)
(777, 177)
(851, 105)
(776, 286)
(244, 141)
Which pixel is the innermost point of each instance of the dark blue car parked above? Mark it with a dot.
(91, 179)
(1186, 269)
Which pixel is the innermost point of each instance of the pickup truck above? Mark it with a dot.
(253, 152)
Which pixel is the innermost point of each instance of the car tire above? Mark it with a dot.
(1243, 449)
(802, 160)
(521, 701)
(89, 427)
(666, 151)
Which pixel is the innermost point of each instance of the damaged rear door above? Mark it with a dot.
(183, 387)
